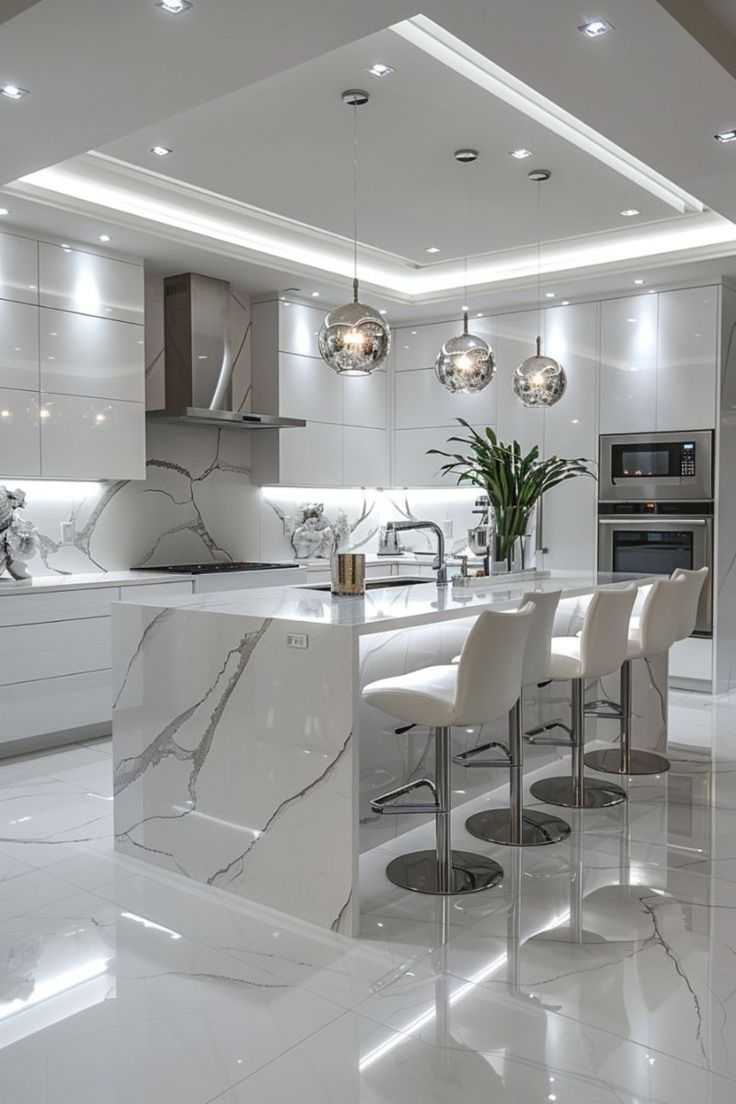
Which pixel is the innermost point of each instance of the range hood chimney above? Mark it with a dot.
(199, 359)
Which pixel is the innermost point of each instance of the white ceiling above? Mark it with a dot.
(248, 95)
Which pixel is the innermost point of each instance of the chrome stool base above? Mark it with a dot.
(561, 791)
(419, 871)
(536, 829)
(640, 762)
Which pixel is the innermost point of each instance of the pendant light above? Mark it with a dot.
(354, 339)
(465, 363)
(539, 380)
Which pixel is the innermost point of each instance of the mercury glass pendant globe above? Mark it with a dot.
(465, 363)
(354, 339)
(539, 380)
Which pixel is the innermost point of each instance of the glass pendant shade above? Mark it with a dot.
(539, 380)
(465, 363)
(354, 339)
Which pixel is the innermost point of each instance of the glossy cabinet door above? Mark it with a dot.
(413, 467)
(308, 388)
(84, 355)
(571, 430)
(87, 283)
(628, 401)
(20, 449)
(18, 346)
(421, 400)
(364, 400)
(687, 367)
(91, 438)
(417, 346)
(515, 340)
(18, 269)
(364, 457)
(299, 326)
(309, 457)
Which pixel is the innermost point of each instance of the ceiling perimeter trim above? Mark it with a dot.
(451, 51)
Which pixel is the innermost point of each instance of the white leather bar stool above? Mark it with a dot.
(517, 826)
(600, 649)
(481, 687)
(650, 634)
(694, 583)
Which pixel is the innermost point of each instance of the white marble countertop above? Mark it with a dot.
(87, 581)
(384, 609)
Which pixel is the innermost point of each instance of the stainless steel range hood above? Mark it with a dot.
(199, 359)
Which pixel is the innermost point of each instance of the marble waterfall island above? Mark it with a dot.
(240, 738)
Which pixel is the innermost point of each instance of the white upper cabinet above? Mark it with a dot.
(84, 355)
(629, 365)
(421, 400)
(86, 283)
(364, 400)
(308, 388)
(18, 269)
(18, 346)
(688, 359)
(417, 347)
(299, 326)
(92, 438)
(20, 450)
(364, 457)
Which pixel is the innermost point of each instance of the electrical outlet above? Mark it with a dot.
(67, 532)
(447, 526)
(297, 640)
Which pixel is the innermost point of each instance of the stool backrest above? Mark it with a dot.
(490, 667)
(694, 583)
(605, 637)
(661, 616)
(538, 653)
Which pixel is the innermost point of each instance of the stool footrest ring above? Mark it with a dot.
(386, 803)
(539, 735)
(469, 758)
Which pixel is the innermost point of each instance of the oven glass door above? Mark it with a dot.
(652, 551)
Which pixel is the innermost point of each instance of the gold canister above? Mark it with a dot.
(348, 573)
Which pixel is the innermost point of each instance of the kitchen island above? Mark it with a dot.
(243, 754)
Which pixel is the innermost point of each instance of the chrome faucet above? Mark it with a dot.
(439, 564)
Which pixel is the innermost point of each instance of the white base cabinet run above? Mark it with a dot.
(55, 677)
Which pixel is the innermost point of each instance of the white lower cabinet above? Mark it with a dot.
(20, 439)
(91, 438)
(55, 664)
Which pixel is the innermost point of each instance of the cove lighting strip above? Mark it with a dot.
(434, 40)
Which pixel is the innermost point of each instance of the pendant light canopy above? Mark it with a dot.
(354, 339)
(539, 380)
(465, 363)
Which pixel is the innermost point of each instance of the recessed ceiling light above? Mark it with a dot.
(629, 212)
(315, 295)
(565, 303)
(464, 307)
(173, 7)
(594, 28)
(652, 291)
(638, 282)
(520, 154)
(4, 211)
(13, 92)
(726, 136)
(550, 294)
(432, 249)
(161, 151)
(479, 314)
(104, 237)
(380, 69)
(381, 312)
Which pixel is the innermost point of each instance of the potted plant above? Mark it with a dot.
(514, 483)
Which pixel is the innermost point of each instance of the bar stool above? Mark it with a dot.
(650, 634)
(480, 688)
(600, 649)
(517, 826)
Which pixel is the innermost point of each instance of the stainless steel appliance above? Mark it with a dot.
(656, 467)
(653, 538)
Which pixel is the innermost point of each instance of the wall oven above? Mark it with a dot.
(653, 538)
(656, 467)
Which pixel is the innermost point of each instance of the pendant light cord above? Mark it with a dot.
(465, 247)
(355, 203)
(539, 266)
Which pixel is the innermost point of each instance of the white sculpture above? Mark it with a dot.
(18, 538)
(313, 536)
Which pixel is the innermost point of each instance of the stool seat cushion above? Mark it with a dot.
(566, 663)
(420, 697)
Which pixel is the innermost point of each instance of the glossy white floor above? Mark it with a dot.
(602, 971)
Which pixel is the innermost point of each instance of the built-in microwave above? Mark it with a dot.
(656, 467)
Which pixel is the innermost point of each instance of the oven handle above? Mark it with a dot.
(653, 523)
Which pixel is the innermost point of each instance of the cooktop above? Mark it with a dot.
(216, 568)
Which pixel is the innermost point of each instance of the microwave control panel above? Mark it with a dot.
(687, 460)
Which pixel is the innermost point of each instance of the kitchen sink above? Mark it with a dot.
(373, 584)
